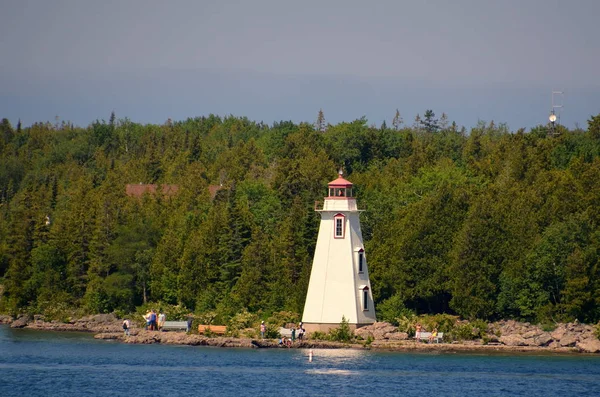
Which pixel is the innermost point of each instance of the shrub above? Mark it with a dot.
(318, 335)
(342, 333)
(240, 321)
(548, 326)
(470, 330)
(280, 319)
(392, 310)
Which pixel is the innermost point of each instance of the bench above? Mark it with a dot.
(425, 336)
(215, 329)
(176, 325)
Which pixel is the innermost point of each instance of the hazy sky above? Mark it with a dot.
(274, 60)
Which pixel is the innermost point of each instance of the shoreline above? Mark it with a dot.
(107, 327)
(407, 346)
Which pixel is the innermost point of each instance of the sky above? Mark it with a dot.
(273, 60)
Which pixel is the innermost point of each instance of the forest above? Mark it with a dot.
(485, 223)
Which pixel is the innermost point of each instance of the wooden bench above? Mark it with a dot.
(425, 336)
(176, 325)
(215, 329)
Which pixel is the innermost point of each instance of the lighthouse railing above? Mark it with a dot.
(339, 205)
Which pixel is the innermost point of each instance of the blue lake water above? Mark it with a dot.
(34, 363)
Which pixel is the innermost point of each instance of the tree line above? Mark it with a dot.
(487, 223)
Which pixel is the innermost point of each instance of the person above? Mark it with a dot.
(263, 329)
(126, 326)
(300, 333)
(148, 318)
(161, 319)
(293, 334)
(418, 332)
(433, 335)
(153, 323)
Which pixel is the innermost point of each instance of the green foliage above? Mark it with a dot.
(280, 319)
(484, 223)
(341, 333)
(392, 310)
(318, 335)
(443, 322)
(241, 321)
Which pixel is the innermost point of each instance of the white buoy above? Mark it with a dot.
(310, 354)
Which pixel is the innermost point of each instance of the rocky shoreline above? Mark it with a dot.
(504, 336)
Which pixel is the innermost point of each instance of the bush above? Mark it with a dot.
(470, 331)
(342, 333)
(280, 319)
(240, 321)
(318, 335)
(392, 310)
(548, 326)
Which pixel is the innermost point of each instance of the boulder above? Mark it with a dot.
(542, 339)
(590, 345)
(4, 319)
(377, 331)
(568, 340)
(532, 333)
(513, 340)
(559, 332)
(554, 345)
(396, 336)
(363, 332)
(381, 333)
(21, 321)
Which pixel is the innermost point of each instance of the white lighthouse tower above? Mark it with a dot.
(339, 281)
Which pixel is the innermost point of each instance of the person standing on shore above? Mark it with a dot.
(263, 329)
(161, 319)
(153, 323)
(148, 318)
(126, 325)
(418, 332)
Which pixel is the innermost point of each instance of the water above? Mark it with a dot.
(34, 363)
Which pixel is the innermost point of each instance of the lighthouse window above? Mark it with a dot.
(365, 299)
(338, 226)
(361, 261)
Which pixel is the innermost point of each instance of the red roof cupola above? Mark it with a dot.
(340, 188)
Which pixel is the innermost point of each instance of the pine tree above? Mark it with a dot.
(320, 124)
(397, 121)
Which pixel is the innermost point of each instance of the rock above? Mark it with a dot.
(396, 336)
(377, 331)
(559, 332)
(568, 340)
(493, 338)
(554, 345)
(532, 334)
(589, 345)
(513, 340)
(21, 322)
(542, 339)
(5, 319)
(363, 332)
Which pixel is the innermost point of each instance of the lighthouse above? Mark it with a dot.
(339, 283)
